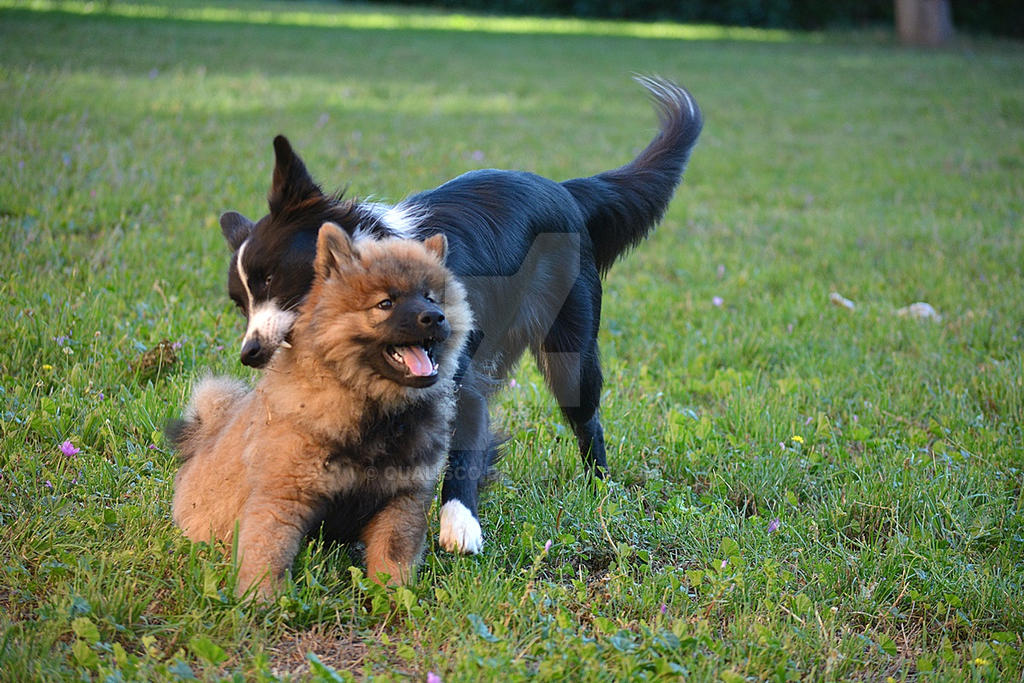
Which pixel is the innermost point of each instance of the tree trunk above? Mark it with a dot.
(924, 22)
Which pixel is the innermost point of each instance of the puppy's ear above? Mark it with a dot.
(334, 250)
(236, 228)
(438, 245)
(291, 183)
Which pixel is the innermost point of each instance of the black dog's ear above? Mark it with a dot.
(236, 228)
(438, 245)
(334, 249)
(291, 183)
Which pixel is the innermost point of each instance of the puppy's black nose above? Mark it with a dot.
(431, 317)
(252, 353)
(432, 323)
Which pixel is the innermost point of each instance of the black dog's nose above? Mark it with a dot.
(252, 353)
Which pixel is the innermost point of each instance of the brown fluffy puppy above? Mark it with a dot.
(347, 430)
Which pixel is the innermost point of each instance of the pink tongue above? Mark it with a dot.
(417, 361)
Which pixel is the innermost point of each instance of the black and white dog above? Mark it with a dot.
(530, 252)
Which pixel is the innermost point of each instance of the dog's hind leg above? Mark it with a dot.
(568, 358)
(469, 461)
(575, 379)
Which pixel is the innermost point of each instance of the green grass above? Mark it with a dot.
(889, 449)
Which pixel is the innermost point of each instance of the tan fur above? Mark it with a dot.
(394, 538)
(267, 459)
(213, 400)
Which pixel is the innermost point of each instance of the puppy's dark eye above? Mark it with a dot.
(429, 298)
(266, 283)
(385, 305)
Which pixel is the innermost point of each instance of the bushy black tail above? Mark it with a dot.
(621, 206)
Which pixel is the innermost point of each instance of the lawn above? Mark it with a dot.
(799, 489)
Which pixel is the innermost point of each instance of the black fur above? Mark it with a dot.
(384, 444)
(178, 431)
(530, 251)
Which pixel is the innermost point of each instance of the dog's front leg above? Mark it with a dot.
(394, 537)
(469, 460)
(269, 534)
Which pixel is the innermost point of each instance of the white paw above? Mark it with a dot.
(460, 532)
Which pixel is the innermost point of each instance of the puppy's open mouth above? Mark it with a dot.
(414, 360)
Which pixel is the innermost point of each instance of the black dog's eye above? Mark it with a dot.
(385, 305)
(266, 283)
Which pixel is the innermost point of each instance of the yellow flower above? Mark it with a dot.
(980, 661)
(798, 438)
(48, 368)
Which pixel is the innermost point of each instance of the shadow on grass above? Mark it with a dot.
(367, 18)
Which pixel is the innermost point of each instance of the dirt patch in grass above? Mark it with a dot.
(341, 650)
